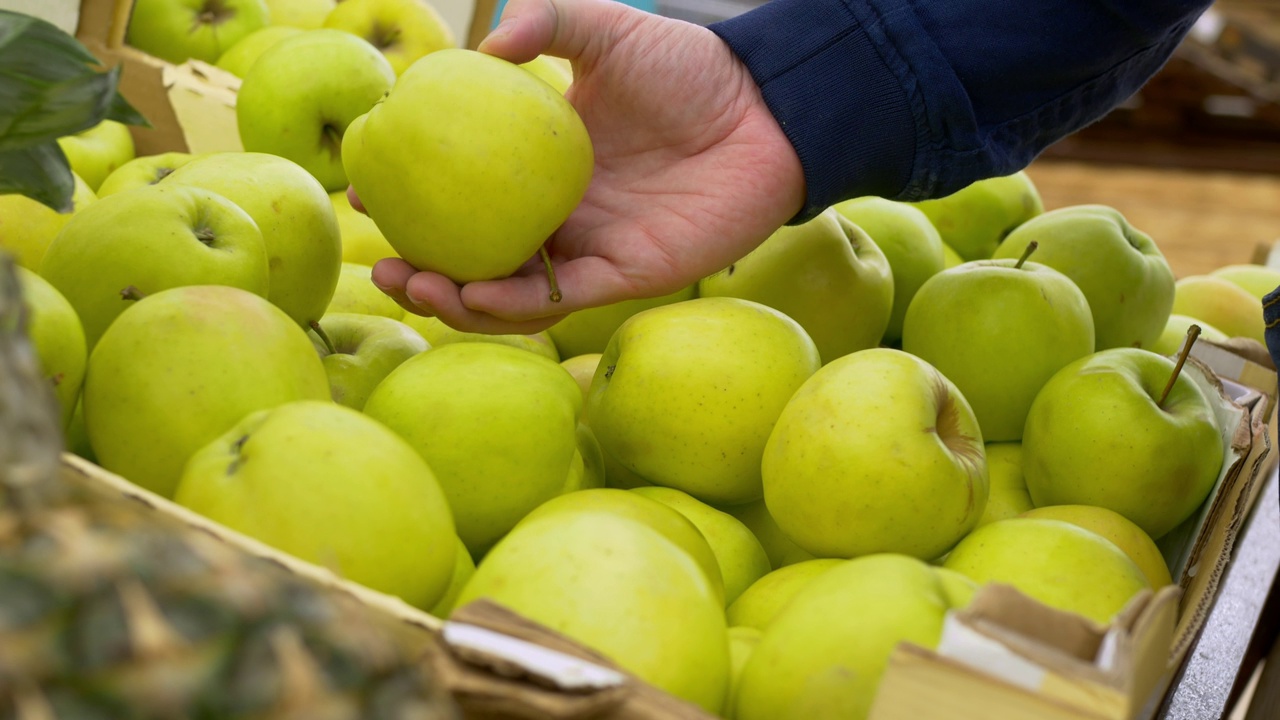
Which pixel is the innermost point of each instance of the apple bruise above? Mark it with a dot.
(967, 450)
(213, 12)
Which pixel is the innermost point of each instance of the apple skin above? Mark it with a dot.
(152, 238)
(356, 293)
(99, 151)
(587, 471)
(1121, 272)
(588, 331)
(974, 220)
(742, 643)
(1257, 280)
(157, 356)
(57, 337)
(301, 96)
(1174, 336)
(178, 30)
(143, 171)
(620, 587)
(1008, 497)
(283, 476)
(1095, 436)
(780, 548)
(555, 71)
(368, 349)
(464, 567)
(950, 258)
(877, 452)
(240, 57)
(491, 174)
(760, 603)
(437, 333)
(1113, 526)
(28, 227)
(726, 368)
(999, 332)
(1221, 303)
(362, 241)
(583, 369)
(301, 14)
(402, 30)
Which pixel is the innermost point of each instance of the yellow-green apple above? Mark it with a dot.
(825, 652)
(1008, 497)
(240, 57)
(761, 602)
(463, 568)
(615, 475)
(299, 230)
(1115, 527)
(402, 30)
(362, 241)
(583, 369)
(974, 220)
(299, 98)
(152, 238)
(1257, 280)
(742, 643)
(1121, 272)
(877, 452)
(1220, 303)
(498, 426)
(741, 558)
(999, 329)
(437, 333)
(491, 176)
(782, 551)
(621, 587)
(726, 368)
(1174, 336)
(77, 436)
(99, 151)
(1099, 433)
(356, 293)
(959, 589)
(218, 353)
(302, 14)
(1060, 564)
(366, 348)
(283, 475)
(56, 335)
(557, 73)
(826, 274)
(143, 171)
(950, 258)
(587, 470)
(28, 227)
(179, 30)
(588, 331)
(909, 242)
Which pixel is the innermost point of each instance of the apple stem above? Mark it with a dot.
(1031, 247)
(551, 274)
(324, 337)
(1193, 332)
(132, 293)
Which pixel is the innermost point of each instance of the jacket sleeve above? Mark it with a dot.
(912, 99)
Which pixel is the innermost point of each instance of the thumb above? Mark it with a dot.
(564, 28)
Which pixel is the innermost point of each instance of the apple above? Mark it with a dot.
(742, 643)
(299, 230)
(974, 220)
(782, 551)
(621, 587)
(143, 171)
(181, 366)
(1099, 434)
(1060, 564)
(959, 589)
(77, 436)
(1113, 526)
(950, 258)
(178, 30)
(463, 568)
(28, 227)
(99, 151)
(617, 476)
(1174, 336)
(240, 57)
(497, 425)
(588, 331)
(57, 338)
(152, 238)
(402, 30)
(302, 14)
(999, 329)
(1258, 280)
(909, 242)
(586, 472)
(1121, 272)
(877, 452)
(356, 293)
(366, 348)
(687, 393)
(583, 369)
(553, 70)
(283, 475)
(761, 602)
(469, 164)
(437, 333)
(1222, 304)
(299, 98)
(1008, 497)
(362, 241)
(826, 274)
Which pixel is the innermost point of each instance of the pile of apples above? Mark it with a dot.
(746, 493)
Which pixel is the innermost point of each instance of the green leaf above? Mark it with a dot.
(40, 172)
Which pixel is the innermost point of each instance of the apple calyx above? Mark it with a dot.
(1031, 247)
(383, 37)
(324, 337)
(1193, 332)
(132, 293)
(237, 449)
(331, 139)
(213, 12)
(968, 450)
(551, 274)
(206, 235)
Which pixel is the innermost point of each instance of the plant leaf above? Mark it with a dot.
(40, 172)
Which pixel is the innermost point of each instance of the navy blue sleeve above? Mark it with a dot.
(913, 99)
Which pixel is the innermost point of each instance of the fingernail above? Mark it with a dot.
(502, 30)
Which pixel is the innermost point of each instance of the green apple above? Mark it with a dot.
(99, 151)
(180, 367)
(77, 435)
(760, 603)
(782, 551)
(1174, 336)
(825, 652)
(283, 476)
(1121, 272)
(1098, 434)
(302, 14)
(587, 469)
(615, 475)
(356, 293)
(152, 238)
(1222, 304)
(299, 98)
(620, 587)
(362, 241)
(950, 258)
(742, 643)
(1008, 497)
(999, 329)
(179, 30)
(959, 589)
(583, 369)
(366, 348)
(497, 425)
(56, 335)
(143, 171)
(909, 242)
(240, 57)
(1060, 564)
(877, 452)
(741, 558)
(299, 230)
(1257, 280)
(469, 164)
(463, 568)
(28, 227)
(402, 30)
(826, 274)
(437, 333)
(1113, 526)
(588, 331)
(976, 219)
(556, 72)
(686, 394)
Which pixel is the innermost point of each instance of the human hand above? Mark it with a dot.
(691, 170)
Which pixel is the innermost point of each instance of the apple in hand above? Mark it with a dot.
(1174, 336)
(362, 241)
(240, 57)
(1113, 526)
(178, 30)
(1008, 497)
(437, 333)
(402, 30)
(1099, 434)
(302, 14)
(366, 348)
(58, 340)
(588, 331)
(152, 238)
(469, 164)
(974, 220)
(143, 171)
(299, 98)
(99, 151)
(1257, 280)
(1222, 304)
(759, 604)
(28, 227)
(782, 551)
(557, 72)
